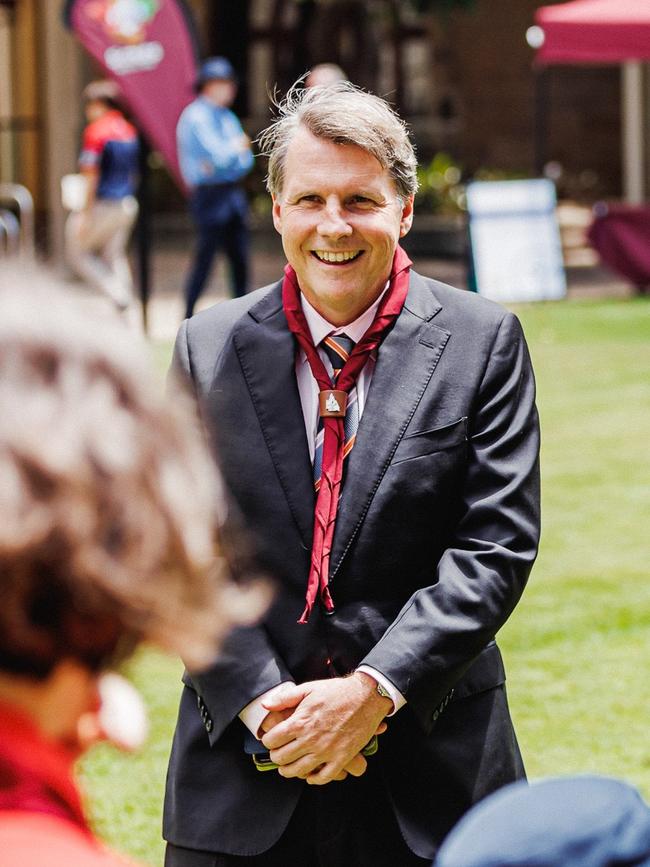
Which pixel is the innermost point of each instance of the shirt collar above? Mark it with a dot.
(209, 104)
(319, 327)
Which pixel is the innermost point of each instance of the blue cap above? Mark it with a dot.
(584, 821)
(215, 68)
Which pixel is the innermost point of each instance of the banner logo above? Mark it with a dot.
(124, 21)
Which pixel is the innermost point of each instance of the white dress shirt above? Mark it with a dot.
(253, 714)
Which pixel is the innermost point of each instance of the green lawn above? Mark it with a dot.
(578, 646)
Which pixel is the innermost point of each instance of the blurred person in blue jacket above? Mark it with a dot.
(214, 155)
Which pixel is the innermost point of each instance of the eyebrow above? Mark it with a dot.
(364, 192)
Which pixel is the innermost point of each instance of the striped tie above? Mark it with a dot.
(337, 348)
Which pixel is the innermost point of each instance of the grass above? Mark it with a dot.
(578, 645)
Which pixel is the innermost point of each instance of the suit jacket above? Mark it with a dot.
(436, 533)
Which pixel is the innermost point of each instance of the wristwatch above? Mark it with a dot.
(383, 692)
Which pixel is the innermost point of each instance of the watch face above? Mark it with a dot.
(383, 692)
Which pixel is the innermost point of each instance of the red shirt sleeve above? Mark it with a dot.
(91, 147)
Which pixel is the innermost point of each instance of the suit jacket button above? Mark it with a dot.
(436, 714)
(208, 725)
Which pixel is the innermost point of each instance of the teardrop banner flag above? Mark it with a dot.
(149, 48)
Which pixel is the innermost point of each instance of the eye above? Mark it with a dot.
(361, 202)
(311, 199)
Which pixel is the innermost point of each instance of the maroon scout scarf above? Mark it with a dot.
(334, 437)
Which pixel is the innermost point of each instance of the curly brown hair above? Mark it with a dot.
(108, 498)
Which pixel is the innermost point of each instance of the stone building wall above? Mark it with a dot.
(491, 85)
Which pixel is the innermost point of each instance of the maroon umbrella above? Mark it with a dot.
(594, 31)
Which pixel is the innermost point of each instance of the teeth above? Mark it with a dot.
(327, 256)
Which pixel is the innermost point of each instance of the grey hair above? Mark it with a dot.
(344, 114)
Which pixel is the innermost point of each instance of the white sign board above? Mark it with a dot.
(515, 240)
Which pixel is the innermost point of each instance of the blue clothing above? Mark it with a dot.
(229, 235)
(217, 204)
(118, 169)
(581, 821)
(209, 149)
(212, 163)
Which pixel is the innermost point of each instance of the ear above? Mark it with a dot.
(406, 220)
(277, 215)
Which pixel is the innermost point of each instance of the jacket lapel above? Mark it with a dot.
(406, 361)
(266, 351)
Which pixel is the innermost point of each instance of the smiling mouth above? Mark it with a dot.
(340, 257)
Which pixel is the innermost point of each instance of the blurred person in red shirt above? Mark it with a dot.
(98, 234)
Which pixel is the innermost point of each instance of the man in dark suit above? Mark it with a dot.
(379, 435)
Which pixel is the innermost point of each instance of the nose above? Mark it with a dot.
(333, 223)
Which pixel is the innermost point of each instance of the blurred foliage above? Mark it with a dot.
(440, 186)
(492, 174)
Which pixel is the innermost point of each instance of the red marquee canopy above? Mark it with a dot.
(595, 31)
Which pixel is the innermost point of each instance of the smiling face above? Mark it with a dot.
(340, 218)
